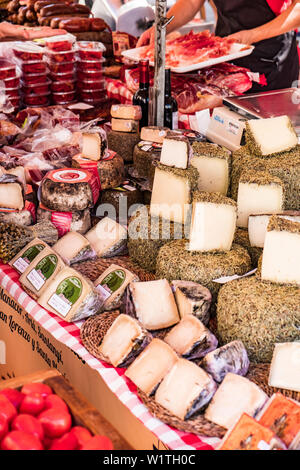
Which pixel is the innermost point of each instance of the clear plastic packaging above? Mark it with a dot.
(62, 77)
(59, 44)
(91, 84)
(88, 65)
(95, 95)
(34, 78)
(37, 100)
(11, 92)
(10, 82)
(61, 67)
(89, 75)
(90, 50)
(7, 69)
(63, 98)
(36, 88)
(65, 56)
(34, 67)
(63, 87)
(28, 52)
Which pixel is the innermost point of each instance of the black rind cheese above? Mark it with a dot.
(123, 143)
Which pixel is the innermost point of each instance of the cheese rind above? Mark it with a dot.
(175, 152)
(151, 366)
(154, 134)
(73, 248)
(124, 340)
(27, 255)
(285, 366)
(192, 299)
(191, 339)
(70, 296)
(39, 274)
(91, 146)
(11, 192)
(111, 285)
(185, 390)
(232, 358)
(257, 226)
(213, 222)
(258, 193)
(270, 136)
(236, 395)
(108, 238)
(152, 303)
(124, 125)
(281, 255)
(126, 111)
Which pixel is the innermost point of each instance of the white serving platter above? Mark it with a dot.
(237, 51)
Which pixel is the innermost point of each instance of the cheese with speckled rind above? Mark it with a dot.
(192, 299)
(108, 238)
(257, 226)
(73, 248)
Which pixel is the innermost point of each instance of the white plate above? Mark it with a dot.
(236, 53)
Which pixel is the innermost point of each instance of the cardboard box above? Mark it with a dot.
(26, 347)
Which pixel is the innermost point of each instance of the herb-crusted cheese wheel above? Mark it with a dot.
(69, 190)
(122, 198)
(241, 237)
(145, 154)
(123, 143)
(175, 262)
(76, 221)
(275, 314)
(146, 235)
(286, 166)
(258, 223)
(111, 171)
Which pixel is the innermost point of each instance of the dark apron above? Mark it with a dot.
(277, 57)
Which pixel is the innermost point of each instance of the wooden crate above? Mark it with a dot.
(83, 413)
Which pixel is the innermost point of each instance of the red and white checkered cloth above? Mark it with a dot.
(69, 334)
(118, 91)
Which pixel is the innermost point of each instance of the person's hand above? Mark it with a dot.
(244, 37)
(146, 38)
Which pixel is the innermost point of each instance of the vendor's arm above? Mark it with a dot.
(10, 31)
(287, 21)
(183, 12)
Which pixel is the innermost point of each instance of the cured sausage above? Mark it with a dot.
(76, 25)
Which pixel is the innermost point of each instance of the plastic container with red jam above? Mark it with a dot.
(34, 67)
(65, 56)
(91, 85)
(27, 52)
(89, 75)
(7, 69)
(36, 88)
(90, 50)
(95, 95)
(87, 65)
(11, 82)
(93, 102)
(37, 100)
(62, 77)
(34, 78)
(63, 87)
(11, 92)
(58, 44)
(15, 102)
(61, 67)
(62, 98)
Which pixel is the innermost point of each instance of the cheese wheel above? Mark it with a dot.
(111, 171)
(23, 217)
(144, 155)
(123, 143)
(78, 221)
(122, 199)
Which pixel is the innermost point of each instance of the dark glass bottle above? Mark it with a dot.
(171, 108)
(141, 97)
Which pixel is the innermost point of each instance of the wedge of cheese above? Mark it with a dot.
(236, 395)
(73, 248)
(39, 274)
(185, 390)
(213, 222)
(213, 165)
(27, 255)
(281, 255)
(70, 296)
(172, 193)
(154, 134)
(191, 339)
(126, 111)
(19, 172)
(151, 366)
(11, 192)
(124, 341)
(268, 136)
(192, 299)
(91, 146)
(258, 193)
(111, 285)
(257, 226)
(107, 238)
(231, 357)
(124, 125)
(285, 367)
(175, 152)
(282, 415)
(248, 434)
(152, 303)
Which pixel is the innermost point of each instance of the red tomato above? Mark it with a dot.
(67, 442)
(32, 404)
(14, 396)
(7, 409)
(36, 387)
(18, 440)
(98, 443)
(82, 435)
(55, 422)
(28, 424)
(3, 427)
(54, 401)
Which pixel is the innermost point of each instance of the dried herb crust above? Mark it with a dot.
(214, 198)
(205, 149)
(283, 225)
(255, 147)
(123, 143)
(258, 313)
(260, 178)
(241, 237)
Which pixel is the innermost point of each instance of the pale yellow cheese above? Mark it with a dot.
(213, 173)
(11, 196)
(126, 111)
(27, 255)
(106, 236)
(154, 134)
(124, 125)
(175, 152)
(70, 245)
(152, 365)
(285, 367)
(91, 146)
(257, 226)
